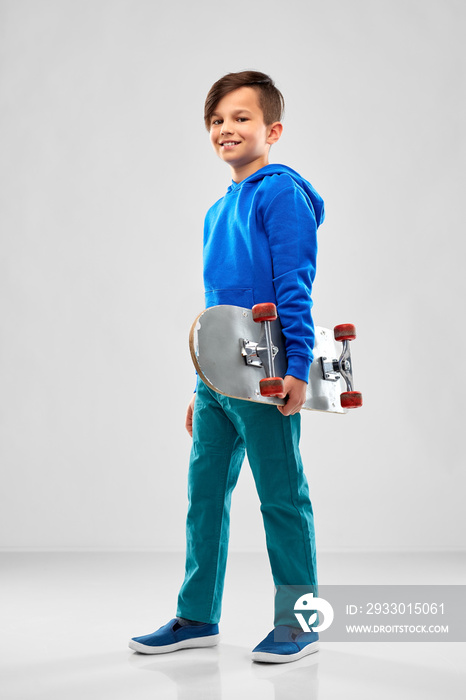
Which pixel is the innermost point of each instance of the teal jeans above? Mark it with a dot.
(223, 430)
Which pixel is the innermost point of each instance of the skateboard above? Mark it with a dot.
(240, 353)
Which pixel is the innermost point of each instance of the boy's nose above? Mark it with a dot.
(226, 128)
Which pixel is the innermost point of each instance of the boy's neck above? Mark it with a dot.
(242, 172)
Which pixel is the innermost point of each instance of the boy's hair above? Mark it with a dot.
(270, 98)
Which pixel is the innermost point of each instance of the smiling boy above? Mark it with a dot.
(260, 245)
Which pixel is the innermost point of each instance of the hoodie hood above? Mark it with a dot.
(276, 169)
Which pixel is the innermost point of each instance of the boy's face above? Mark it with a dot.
(238, 133)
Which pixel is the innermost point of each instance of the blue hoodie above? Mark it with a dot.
(260, 245)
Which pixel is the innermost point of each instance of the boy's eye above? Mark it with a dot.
(216, 122)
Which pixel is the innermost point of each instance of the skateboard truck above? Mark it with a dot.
(333, 370)
(262, 354)
(256, 354)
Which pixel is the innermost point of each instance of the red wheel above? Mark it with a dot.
(345, 331)
(264, 312)
(351, 399)
(271, 386)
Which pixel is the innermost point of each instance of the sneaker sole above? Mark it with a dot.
(270, 658)
(194, 643)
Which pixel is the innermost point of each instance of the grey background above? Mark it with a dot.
(106, 172)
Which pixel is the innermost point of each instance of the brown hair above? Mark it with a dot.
(270, 98)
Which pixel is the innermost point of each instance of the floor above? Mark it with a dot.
(67, 617)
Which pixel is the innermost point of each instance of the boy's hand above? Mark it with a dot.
(295, 390)
(189, 416)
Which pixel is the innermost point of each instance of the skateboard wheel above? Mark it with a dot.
(345, 331)
(351, 399)
(271, 386)
(264, 312)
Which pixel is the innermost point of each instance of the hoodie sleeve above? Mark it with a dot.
(291, 228)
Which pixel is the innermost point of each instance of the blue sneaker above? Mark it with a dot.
(174, 636)
(285, 644)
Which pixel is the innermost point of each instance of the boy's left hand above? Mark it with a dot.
(295, 391)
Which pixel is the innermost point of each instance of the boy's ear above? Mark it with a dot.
(274, 132)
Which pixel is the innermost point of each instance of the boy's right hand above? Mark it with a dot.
(189, 416)
(295, 395)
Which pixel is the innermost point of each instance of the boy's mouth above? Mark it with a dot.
(229, 144)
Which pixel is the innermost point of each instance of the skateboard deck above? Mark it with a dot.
(219, 340)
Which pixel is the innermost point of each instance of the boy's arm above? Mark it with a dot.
(292, 231)
(189, 416)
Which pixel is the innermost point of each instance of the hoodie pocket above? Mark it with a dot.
(233, 297)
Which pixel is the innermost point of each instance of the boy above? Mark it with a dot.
(260, 245)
